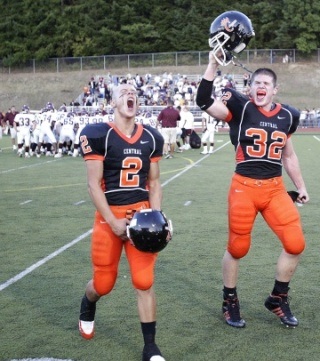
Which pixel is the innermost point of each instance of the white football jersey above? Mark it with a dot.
(210, 121)
(24, 120)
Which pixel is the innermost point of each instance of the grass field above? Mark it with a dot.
(46, 220)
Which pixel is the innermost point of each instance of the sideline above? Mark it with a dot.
(44, 260)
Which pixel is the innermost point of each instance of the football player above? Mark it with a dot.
(69, 127)
(22, 124)
(209, 125)
(123, 177)
(48, 118)
(261, 132)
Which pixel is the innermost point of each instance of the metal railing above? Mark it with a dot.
(154, 60)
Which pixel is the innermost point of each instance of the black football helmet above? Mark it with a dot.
(230, 33)
(148, 230)
(293, 195)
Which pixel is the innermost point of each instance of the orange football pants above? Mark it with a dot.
(248, 197)
(106, 250)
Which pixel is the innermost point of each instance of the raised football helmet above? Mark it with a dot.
(149, 230)
(230, 33)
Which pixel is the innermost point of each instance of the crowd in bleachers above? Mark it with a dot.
(153, 92)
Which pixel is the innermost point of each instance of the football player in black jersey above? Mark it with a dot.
(260, 131)
(123, 177)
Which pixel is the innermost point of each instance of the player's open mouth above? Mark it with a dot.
(261, 94)
(130, 103)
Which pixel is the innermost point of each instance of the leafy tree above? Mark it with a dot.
(34, 29)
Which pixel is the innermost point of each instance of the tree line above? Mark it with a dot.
(42, 29)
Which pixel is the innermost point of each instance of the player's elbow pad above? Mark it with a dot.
(204, 99)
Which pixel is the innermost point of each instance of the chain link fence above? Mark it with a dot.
(154, 60)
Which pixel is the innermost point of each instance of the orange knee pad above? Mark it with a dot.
(239, 245)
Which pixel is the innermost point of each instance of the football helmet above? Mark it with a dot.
(49, 106)
(149, 230)
(230, 33)
(293, 195)
(25, 109)
(63, 108)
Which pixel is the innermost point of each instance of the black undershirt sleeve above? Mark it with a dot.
(204, 99)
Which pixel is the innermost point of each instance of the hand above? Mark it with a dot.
(303, 196)
(119, 227)
(212, 58)
(170, 229)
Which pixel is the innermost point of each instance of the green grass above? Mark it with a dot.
(44, 206)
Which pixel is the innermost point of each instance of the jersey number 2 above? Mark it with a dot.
(129, 174)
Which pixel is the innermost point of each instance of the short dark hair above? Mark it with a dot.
(265, 71)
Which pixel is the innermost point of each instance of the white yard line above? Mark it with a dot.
(27, 166)
(43, 261)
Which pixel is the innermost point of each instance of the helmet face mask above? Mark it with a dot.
(217, 42)
(149, 230)
(230, 33)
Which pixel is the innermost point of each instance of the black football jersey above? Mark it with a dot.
(259, 136)
(126, 161)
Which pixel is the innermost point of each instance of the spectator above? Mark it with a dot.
(246, 78)
(92, 86)
(9, 120)
(168, 118)
(102, 88)
(102, 110)
(312, 117)
(285, 59)
(303, 118)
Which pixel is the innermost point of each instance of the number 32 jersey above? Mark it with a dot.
(257, 135)
(126, 161)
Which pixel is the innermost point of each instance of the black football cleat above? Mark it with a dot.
(231, 312)
(279, 305)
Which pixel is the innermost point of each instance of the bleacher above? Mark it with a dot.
(155, 109)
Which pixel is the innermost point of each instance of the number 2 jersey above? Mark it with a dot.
(126, 161)
(257, 135)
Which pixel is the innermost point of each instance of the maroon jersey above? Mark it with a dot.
(168, 117)
(258, 136)
(10, 117)
(126, 161)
